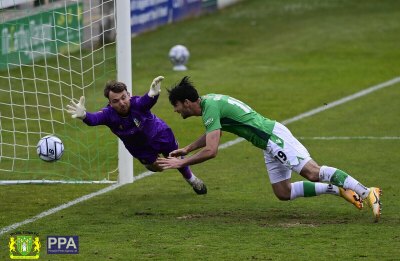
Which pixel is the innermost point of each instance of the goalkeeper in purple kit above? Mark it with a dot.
(144, 135)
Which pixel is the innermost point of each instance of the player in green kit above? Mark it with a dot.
(283, 153)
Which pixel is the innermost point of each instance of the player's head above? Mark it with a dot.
(182, 91)
(185, 99)
(118, 96)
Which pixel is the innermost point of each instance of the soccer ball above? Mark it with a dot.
(179, 56)
(50, 148)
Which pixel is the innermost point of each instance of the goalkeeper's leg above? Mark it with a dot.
(169, 144)
(197, 184)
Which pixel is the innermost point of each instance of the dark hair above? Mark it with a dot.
(182, 91)
(114, 86)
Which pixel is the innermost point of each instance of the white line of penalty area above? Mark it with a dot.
(222, 146)
(351, 138)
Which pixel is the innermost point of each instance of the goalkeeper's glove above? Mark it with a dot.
(77, 110)
(155, 87)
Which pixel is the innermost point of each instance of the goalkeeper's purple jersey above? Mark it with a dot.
(143, 133)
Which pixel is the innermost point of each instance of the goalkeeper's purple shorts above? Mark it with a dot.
(163, 143)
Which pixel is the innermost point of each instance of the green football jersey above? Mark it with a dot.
(228, 114)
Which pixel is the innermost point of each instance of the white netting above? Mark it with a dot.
(50, 53)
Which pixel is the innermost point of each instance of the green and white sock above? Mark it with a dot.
(311, 189)
(342, 179)
(356, 186)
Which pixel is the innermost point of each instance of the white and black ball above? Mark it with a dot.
(50, 148)
(179, 56)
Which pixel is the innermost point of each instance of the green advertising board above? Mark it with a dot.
(33, 37)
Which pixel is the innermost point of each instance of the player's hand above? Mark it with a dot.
(77, 110)
(178, 152)
(155, 87)
(169, 163)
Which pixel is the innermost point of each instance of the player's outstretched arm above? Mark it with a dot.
(155, 87)
(197, 144)
(77, 110)
(208, 152)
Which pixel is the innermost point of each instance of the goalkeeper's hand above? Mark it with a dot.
(155, 87)
(77, 110)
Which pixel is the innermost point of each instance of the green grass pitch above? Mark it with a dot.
(283, 58)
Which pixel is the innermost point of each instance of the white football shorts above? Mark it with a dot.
(284, 154)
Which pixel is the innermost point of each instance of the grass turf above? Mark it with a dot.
(282, 58)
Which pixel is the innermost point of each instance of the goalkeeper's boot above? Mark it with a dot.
(198, 186)
(351, 197)
(374, 201)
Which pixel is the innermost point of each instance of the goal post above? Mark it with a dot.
(50, 54)
(125, 161)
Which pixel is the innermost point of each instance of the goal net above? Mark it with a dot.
(52, 51)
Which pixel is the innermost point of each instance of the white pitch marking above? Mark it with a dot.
(350, 138)
(222, 146)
